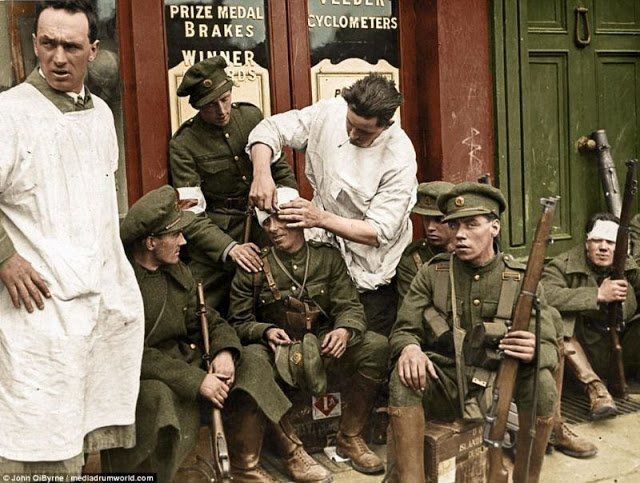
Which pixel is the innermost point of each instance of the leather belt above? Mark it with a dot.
(236, 203)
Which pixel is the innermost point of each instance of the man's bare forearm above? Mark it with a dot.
(261, 155)
(358, 231)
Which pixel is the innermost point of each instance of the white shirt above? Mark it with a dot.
(74, 366)
(376, 184)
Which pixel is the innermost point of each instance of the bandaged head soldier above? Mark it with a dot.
(304, 309)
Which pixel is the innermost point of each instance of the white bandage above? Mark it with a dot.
(604, 230)
(285, 195)
(193, 193)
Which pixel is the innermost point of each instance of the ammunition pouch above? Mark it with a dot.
(439, 332)
(480, 345)
(300, 317)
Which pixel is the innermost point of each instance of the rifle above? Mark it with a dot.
(220, 464)
(617, 381)
(496, 419)
(599, 143)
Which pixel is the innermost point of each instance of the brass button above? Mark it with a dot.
(293, 289)
(295, 267)
(236, 158)
(193, 346)
(226, 135)
(476, 302)
(244, 178)
(321, 290)
(476, 277)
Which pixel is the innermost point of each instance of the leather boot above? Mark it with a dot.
(563, 438)
(407, 432)
(601, 402)
(544, 426)
(359, 398)
(245, 429)
(298, 463)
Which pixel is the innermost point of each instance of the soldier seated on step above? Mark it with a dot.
(173, 381)
(305, 294)
(437, 238)
(455, 294)
(578, 284)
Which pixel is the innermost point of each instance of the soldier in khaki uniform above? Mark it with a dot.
(314, 275)
(577, 283)
(209, 166)
(173, 381)
(438, 235)
(634, 236)
(484, 284)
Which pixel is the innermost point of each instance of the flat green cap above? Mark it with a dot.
(300, 365)
(471, 199)
(428, 194)
(205, 81)
(156, 213)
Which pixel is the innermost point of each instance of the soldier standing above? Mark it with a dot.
(209, 166)
(453, 293)
(173, 380)
(577, 283)
(313, 277)
(438, 237)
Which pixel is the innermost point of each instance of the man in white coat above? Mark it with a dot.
(69, 371)
(362, 168)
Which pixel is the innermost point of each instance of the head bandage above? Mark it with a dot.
(285, 195)
(604, 230)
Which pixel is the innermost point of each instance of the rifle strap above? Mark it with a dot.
(417, 259)
(266, 268)
(536, 386)
(257, 285)
(458, 339)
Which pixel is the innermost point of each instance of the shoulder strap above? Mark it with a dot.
(266, 268)
(441, 288)
(417, 260)
(508, 294)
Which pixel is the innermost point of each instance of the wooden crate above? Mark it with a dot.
(453, 452)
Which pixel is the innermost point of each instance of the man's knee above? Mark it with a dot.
(399, 394)
(547, 391)
(373, 355)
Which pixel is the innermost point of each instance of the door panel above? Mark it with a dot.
(558, 91)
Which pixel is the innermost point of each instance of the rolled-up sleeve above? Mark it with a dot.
(290, 128)
(391, 205)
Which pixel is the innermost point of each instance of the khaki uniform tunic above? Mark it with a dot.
(167, 413)
(478, 292)
(329, 285)
(571, 286)
(407, 267)
(214, 159)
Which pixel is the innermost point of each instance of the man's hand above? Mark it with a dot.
(215, 389)
(413, 366)
(247, 256)
(23, 283)
(612, 291)
(519, 344)
(223, 364)
(187, 203)
(276, 336)
(301, 213)
(335, 342)
(263, 194)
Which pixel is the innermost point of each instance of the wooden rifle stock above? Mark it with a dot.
(617, 380)
(219, 451)
(504, 386)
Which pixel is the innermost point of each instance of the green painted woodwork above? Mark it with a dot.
(549, 92)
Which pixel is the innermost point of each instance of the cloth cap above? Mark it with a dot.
(471, 199)
(205, 81)
(156, 213)
(300, 365)
(285, 195)
(604, 230)
(428, 194)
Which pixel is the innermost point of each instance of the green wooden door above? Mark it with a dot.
(550, 90)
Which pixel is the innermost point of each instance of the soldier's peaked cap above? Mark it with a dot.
(156, 213)
(205, 81)
(428, 194)
(471, 199)
(300, 365)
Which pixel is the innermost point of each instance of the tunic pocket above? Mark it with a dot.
(218, 174)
